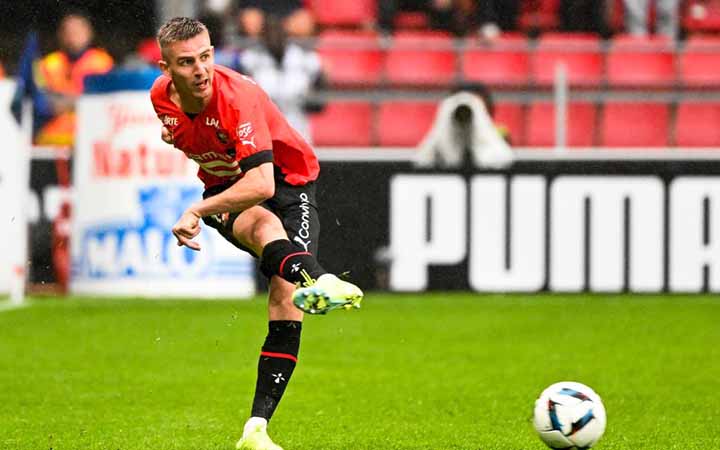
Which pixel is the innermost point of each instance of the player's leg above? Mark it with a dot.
(254, 228)
(280, 351)
(276, 364)
(297, 208)
(260, 230)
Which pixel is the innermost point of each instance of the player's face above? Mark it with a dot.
(190, 65)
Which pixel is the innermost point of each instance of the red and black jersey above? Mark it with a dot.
(239, 129)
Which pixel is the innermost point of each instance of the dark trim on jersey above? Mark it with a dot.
(256, 159)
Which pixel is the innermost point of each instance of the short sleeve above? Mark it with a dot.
(252, 131)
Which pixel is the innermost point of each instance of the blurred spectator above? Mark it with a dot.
(2, 71)
(666, 12)
(464, 134)
(456, 16)
(587, 16)
(439, 13)
(297, 21)
(286, 71)
(495, 16)
(225, 55)
(146, 55)
(60, 75)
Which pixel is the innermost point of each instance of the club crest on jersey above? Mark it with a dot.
(244, 130)
(222, 136)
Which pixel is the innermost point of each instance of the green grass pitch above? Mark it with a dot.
(433, 371)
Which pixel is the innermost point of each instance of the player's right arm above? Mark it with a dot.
(255, 187)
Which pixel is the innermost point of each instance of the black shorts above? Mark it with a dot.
(295, 206)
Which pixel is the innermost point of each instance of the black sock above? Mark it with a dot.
(290, 262)
(276, 365)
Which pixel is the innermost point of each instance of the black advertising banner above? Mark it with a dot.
(557, 225)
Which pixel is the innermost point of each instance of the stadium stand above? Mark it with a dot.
(696, 125)
(351, 58)
(404, 123)
(539, 14)
(356, 13)
(343, 124)
(580, 130)
(421, 58)
(635, 124)
(504, 62)
(699, 62)
(634, 61)
(579, 52)
(511, 116)
(702, 16)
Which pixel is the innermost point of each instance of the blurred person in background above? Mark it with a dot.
(495, 16)
(666, 13)
(439, 13)
(286, 71)
(464, 135)
(585, 16)
(60, 76)
(297, 21)
(460, 17)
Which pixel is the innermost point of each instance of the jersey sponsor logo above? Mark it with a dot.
(207, 156)
(244, 130)
(250, 142)
(303, 236)
(169, 120)
(212, 122)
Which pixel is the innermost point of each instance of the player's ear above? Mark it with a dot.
(164, 66)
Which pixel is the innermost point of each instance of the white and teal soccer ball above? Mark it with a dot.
(569, 415)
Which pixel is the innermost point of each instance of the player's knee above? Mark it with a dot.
(267, 230)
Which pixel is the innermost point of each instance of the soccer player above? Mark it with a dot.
(259, 194)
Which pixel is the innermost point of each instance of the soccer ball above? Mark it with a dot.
(569, 415)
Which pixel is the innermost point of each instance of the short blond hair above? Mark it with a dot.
(179, 29)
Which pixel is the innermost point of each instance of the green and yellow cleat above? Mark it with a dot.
(327, 293)
(255, 436)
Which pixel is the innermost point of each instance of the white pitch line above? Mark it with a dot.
(6, 306)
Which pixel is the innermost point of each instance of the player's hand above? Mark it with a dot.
(186, 228)
(167, 135)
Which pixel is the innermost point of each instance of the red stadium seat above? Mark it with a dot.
(581, 54)
(343, 124)
(700, 62)
(351, 58)
(580, 130)
(696, 125)
(641, 61)
(404, 123)
(421, 58)
(505, 62)
(344, 13)
(635, 124)
(511, 117)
